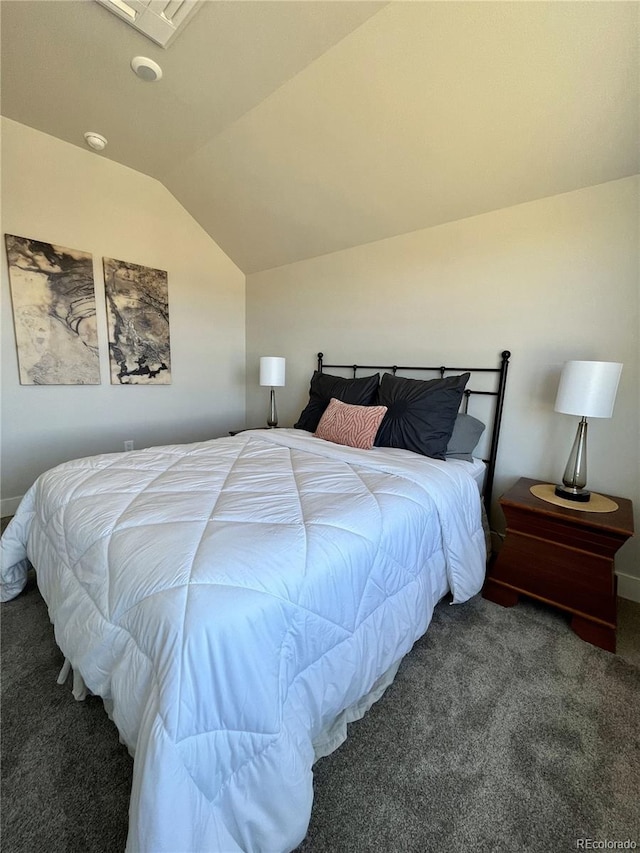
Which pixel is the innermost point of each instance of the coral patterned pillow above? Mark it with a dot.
(355, 426)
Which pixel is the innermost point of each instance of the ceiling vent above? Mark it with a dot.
(158, 20)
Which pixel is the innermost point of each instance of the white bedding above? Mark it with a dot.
(229, 599)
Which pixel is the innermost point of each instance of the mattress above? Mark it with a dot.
(476, 469)
(231, 601)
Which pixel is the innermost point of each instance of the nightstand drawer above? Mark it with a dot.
(562, 532)
(576, 580)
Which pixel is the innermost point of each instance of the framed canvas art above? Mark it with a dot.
(138, 323)
(54, 313)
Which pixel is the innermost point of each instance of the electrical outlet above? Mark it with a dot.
(128, 445)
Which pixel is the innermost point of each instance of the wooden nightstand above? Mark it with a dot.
(244, 429)
(564, 557)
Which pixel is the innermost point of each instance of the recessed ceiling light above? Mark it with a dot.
(146, 69)
(95, 140)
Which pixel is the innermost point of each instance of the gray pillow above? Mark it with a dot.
(464, 438)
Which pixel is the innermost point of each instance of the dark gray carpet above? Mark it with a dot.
(502, 732)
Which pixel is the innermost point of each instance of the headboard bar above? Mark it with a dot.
(501, 377)
(495, 435)
(395, 367)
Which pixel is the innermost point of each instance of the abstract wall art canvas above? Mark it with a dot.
(138, 321)
(54, 313)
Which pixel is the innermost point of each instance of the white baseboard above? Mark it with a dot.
(629, 587)
(8, 506)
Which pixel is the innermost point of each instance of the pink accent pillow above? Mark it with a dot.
(355, 426)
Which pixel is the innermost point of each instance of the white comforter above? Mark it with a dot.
(231, 598)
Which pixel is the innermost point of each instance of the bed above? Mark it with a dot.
(237, 602)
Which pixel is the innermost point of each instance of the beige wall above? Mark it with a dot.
(552, 280)
(62, 194)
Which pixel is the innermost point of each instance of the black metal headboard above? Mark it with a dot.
(497, 392)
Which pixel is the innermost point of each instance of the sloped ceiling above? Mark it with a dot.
(292, 129)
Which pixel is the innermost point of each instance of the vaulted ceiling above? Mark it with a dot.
(292, 129)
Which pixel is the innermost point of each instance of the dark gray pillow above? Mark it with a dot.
(421, 413)
(324, 386)
(464, 438)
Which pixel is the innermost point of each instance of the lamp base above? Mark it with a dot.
(272, 420)
(572, 493)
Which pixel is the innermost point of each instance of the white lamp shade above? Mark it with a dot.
(272, 370)
(588, 388)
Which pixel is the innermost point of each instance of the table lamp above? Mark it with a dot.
(587, 389)
(272, 374)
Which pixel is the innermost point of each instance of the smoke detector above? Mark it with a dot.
(95, 140)
(146, 69)
(158, 20)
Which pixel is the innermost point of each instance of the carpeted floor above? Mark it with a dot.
(503, 731)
